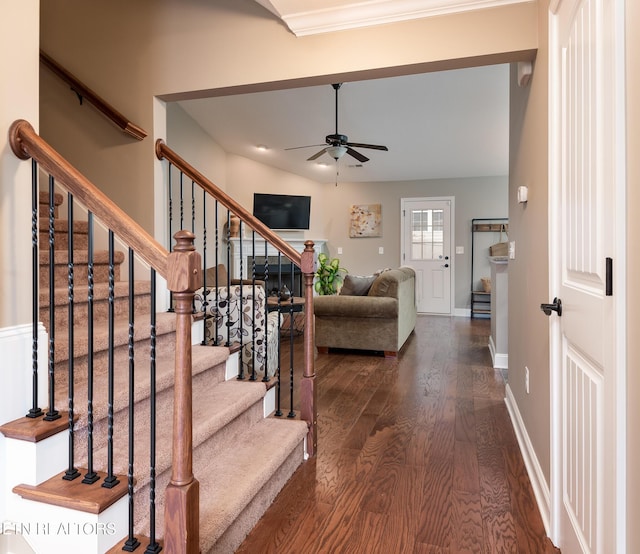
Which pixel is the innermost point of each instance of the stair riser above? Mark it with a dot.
(80, 274)
(142, 303)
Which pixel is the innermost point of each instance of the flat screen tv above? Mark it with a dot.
(282, 211)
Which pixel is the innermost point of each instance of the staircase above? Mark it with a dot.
(241, 456)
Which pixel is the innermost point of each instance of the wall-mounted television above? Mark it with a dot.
(282, 211)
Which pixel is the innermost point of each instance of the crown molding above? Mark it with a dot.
(343, 15)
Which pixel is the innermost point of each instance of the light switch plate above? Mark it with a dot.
(339, 250)
(459, 249)
(512, 250)
(381, 250)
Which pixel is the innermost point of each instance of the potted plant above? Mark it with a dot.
(328, 275)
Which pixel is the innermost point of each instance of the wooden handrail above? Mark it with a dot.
(164, 152)
(182, 270)
(84, 92)
(304, 260)
(26, 143)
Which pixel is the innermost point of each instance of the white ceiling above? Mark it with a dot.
(436, 125)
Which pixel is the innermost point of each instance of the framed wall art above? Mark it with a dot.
(366, 220)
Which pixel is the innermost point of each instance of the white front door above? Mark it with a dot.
(427, 249)
(586, 148)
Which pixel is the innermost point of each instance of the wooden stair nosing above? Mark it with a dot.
(75, 494)
(35, 429)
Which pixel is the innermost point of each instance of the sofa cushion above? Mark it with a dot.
(357, 285)
(386, 284)
(355, 306)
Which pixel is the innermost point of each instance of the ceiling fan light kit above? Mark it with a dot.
(336, 152)
(339, 145)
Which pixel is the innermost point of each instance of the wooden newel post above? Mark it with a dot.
(308, 410)
(182, 507)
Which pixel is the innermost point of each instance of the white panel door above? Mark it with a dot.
(427, 249)
(584, 182)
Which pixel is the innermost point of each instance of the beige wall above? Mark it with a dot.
(474, 197)
(477, 197)
(528, 273)
(18, 100)
(132, 51)
(633, 270)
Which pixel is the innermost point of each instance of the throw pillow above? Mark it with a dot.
(356, 285)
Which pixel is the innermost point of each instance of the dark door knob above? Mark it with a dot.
(445, 265)
(555, 307)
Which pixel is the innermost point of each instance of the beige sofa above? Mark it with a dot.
(380, 319)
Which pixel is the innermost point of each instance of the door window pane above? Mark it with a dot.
(427, 234)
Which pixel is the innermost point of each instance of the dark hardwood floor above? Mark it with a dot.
(415, 455)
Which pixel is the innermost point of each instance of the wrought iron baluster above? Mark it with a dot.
(193, 207)
(216, 286)
(181, 200)
(72, 472)
(110, 480)
(153, 547)
(132, 542)
(205, 292)
(91, 476)
(253, 377)
(52, 413)
(291, 338)
(170, 241)
(278, 411)
(265, 377)
(228, 239)
(34, 411)
(241, 300)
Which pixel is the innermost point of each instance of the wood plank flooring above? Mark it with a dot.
(415, 455)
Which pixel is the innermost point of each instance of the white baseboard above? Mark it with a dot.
(536, 476)
(500, 361)
(462, 312)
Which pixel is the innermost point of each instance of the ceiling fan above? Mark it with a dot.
(338, 145)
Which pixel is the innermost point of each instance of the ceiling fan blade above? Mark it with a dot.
(357, 155)
(307, 146)
(374, 146)
(317, 155)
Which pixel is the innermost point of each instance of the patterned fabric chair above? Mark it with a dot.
(238, 314)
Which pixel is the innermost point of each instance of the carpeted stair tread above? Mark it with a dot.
(165, 324)
(214, 407)
(100, 292)
(202, 359)
(60, 257)
(231, 478)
